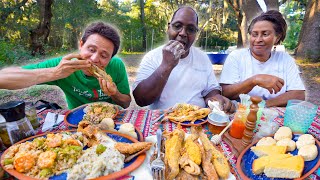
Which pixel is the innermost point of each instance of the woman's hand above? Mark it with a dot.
(108, 88)
(272, 83)
(69, 65)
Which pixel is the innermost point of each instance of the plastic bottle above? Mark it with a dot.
(239, 121)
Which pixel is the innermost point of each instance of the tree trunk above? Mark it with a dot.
(144, 32)
(309, 38)
(245, 11)
(39, 36)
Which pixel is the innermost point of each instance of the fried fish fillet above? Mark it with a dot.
(131, 148)
(173, 146)
(219, 161)
(99, 73)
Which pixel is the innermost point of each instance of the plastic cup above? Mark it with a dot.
(299, 115)
(31, 114)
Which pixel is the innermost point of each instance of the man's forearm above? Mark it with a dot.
(282, 99)
(151, 88)
(17, 78)
(122, 99)
(211, 94)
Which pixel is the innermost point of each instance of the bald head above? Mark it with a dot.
(185, 8)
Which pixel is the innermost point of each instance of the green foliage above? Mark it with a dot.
(294, 12)
(11, 53)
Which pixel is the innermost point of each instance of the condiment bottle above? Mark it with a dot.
(17, 125)
(238, 125)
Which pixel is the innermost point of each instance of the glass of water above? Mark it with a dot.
(299, 115)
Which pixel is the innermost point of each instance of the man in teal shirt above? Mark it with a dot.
(98, 45)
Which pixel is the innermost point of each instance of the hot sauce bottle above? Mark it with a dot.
(239, 121)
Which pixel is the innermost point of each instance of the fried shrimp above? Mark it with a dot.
(24, 163)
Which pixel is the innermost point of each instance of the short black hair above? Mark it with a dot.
(182, 7)
(276, 18)
(105, 30)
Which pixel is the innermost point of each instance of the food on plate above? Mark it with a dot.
(259, 164)
(191, 156)
(186, 112)
(207, 165)
(282, 133)
(291, 167)
(266, 141)
(128, 128)
(44, 156)
(268, 150)
(173, 144)
(95, 163)
(291, 145)
(100, 73)
(96, 112)
(219, 161)
(305, 139)
(308, 152)
(127, 148)
(107, 124)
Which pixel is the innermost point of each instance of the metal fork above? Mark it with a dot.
(157, 165)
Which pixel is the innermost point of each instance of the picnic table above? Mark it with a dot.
(142, 120)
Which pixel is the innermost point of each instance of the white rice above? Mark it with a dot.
(91, 165)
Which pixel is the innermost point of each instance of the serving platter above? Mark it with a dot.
(197, 122)
(118, 137)
(74, 116)
(246, 158)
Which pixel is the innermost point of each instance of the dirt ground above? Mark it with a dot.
(310, 75)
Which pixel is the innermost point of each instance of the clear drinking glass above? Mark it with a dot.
(31, 114)
(299, 115)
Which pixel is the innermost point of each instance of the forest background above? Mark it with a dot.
(33, 30)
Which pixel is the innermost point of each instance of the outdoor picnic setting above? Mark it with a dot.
(159, 90)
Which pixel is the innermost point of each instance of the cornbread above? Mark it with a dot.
(266, 141)
(282, 133)
(259, 164)
(291, 167)
(268, 150)
(308, 152)
(291, 145)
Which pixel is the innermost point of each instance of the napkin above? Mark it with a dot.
(144, 172)
(49, 121)
(215, 107)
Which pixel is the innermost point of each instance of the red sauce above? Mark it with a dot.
(237, 129)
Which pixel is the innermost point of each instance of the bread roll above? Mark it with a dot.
(305, 139)
(308, 152)
(291, 145)
(128, 128)
(282, 133)
(107, 124)
(266, 141)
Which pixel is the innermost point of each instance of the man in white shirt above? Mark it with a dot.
(178, 72)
